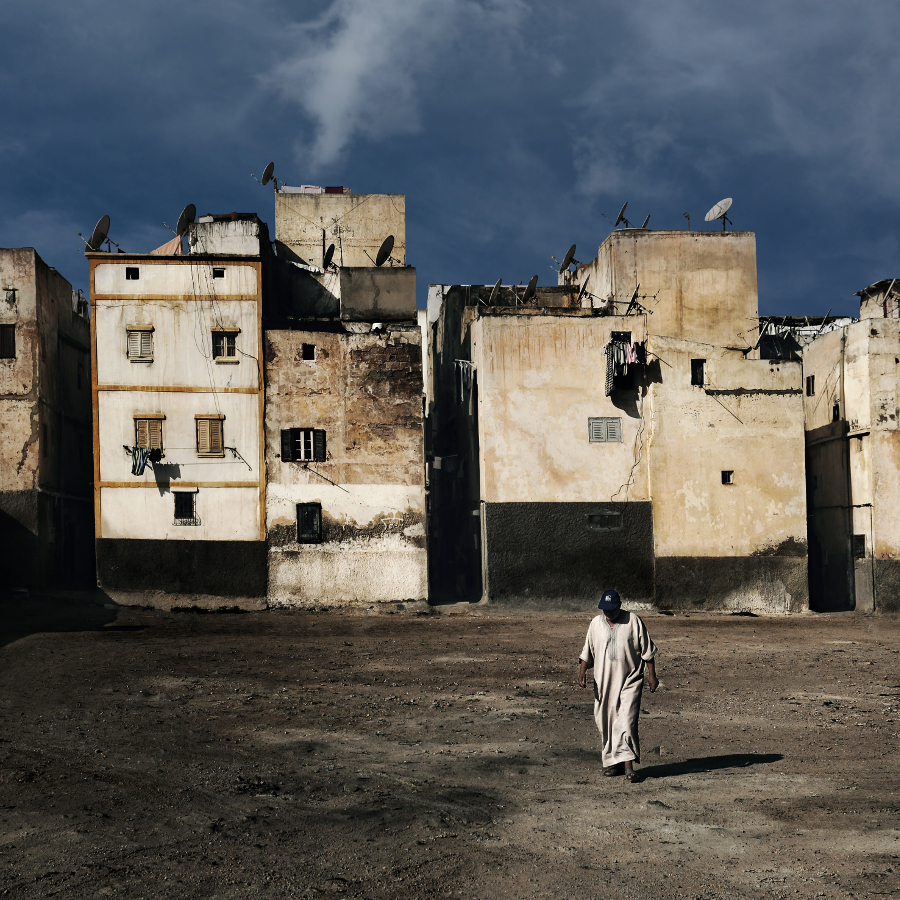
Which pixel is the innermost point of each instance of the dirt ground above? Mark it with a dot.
(396, 754)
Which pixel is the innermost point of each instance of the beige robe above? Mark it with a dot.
(618, 655)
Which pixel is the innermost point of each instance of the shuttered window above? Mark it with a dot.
(140, 345)
(603, 430)
(303, 445)
(210, 439)
(148, 433)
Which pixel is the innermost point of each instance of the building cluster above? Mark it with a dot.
(271, 420)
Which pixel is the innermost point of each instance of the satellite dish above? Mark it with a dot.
(98, 236)
(583, 290)
(718, 212)
(529, 291)
(329, 256)
(384, 251)
(188, 214)
(268, 172)
(645, 222)
(494, 292)
(621, 217)
(567, 259)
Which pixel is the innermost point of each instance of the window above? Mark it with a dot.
(186, 508)
(7, 341)
(308, 351)
(148, 432)
(218, 272)
(132, 273)
(309, 523)
(225, 345)
(621, 337)
(810, 385)
(605, 430)
(139, 344)
(727, 476)
(836, 412)
(859, 546)
(698, 373)
(210, 438)
(605, 520)
(302, 445)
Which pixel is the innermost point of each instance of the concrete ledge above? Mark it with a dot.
(186, 602)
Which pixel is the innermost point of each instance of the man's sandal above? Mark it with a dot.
(632, 776)
(613, 770)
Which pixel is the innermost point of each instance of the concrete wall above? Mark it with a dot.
(365, 392)
(244, 235)
(183, 302)
(45, 440)
(356, 224)
(378, 295)
(741, 545)
(702, 283)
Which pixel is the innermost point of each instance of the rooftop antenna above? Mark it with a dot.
(568, 259)
(632, 303)
(583, 290)
(645, 222)
(384, 251)
(529, 291)
(494, 292)
(718, 212)
(267, 176)
(688, 217)
(621, 217)
(98, 237)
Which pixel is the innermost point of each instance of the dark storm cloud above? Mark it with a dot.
(510, 126)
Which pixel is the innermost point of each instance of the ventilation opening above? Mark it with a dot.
(604, 520)
(727, 476)
(132, 273)
(218, 272)
(308, 351)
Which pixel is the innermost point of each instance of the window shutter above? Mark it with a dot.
(142, 432)
(134, 344)
(146, 343)
(319, 445)
(203, 435)
(216, 441)
(614, 430)
(154, 430)
(286, 445)
(598, 430)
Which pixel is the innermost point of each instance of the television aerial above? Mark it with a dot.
(645, 222)
(530, 289)
(98, 237)
(384, 251)
(584, 290)
(719, 211)
(568, 259)
(495, 291)
(328, 257)
(267, 176)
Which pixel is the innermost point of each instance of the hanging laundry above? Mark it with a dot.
(139, 460)
(155, 455)
(630, 354)
(172, 248)
(610, 368)
(640, 353)
(465, 377)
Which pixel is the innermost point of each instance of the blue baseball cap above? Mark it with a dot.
(610, 600)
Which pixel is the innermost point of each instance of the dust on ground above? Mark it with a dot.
(388, 754)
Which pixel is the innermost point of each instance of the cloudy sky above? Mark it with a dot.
(510, 125)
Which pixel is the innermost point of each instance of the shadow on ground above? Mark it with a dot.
(22, 615)
(710, 764)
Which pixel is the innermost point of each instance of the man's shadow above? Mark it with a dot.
(709, 764)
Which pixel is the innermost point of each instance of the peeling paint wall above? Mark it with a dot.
(45, 440)
(357, 224)
(365, 391)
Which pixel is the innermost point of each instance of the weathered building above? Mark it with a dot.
(344, 420)
(179, 477)
(677, 478)
(852, 408)
(46, 517)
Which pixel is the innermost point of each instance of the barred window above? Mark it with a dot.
(186, 508)
(605, 429)
(210, 435)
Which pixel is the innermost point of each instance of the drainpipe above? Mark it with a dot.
(845, 444)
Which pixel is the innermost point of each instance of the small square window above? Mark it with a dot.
(308, 351)
(859, 546)
(727, 476)
(218, 272)
(309, 523)
(139, 344)
(186, 508)
(606, 429)
(132, 273)
(210, 437)
(698, 372)
(810, 385)
(225, 344)
(7, 341)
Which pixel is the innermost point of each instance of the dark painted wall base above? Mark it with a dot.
(887, 585)
(556, 554)
(224, 568)
(716, 582)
